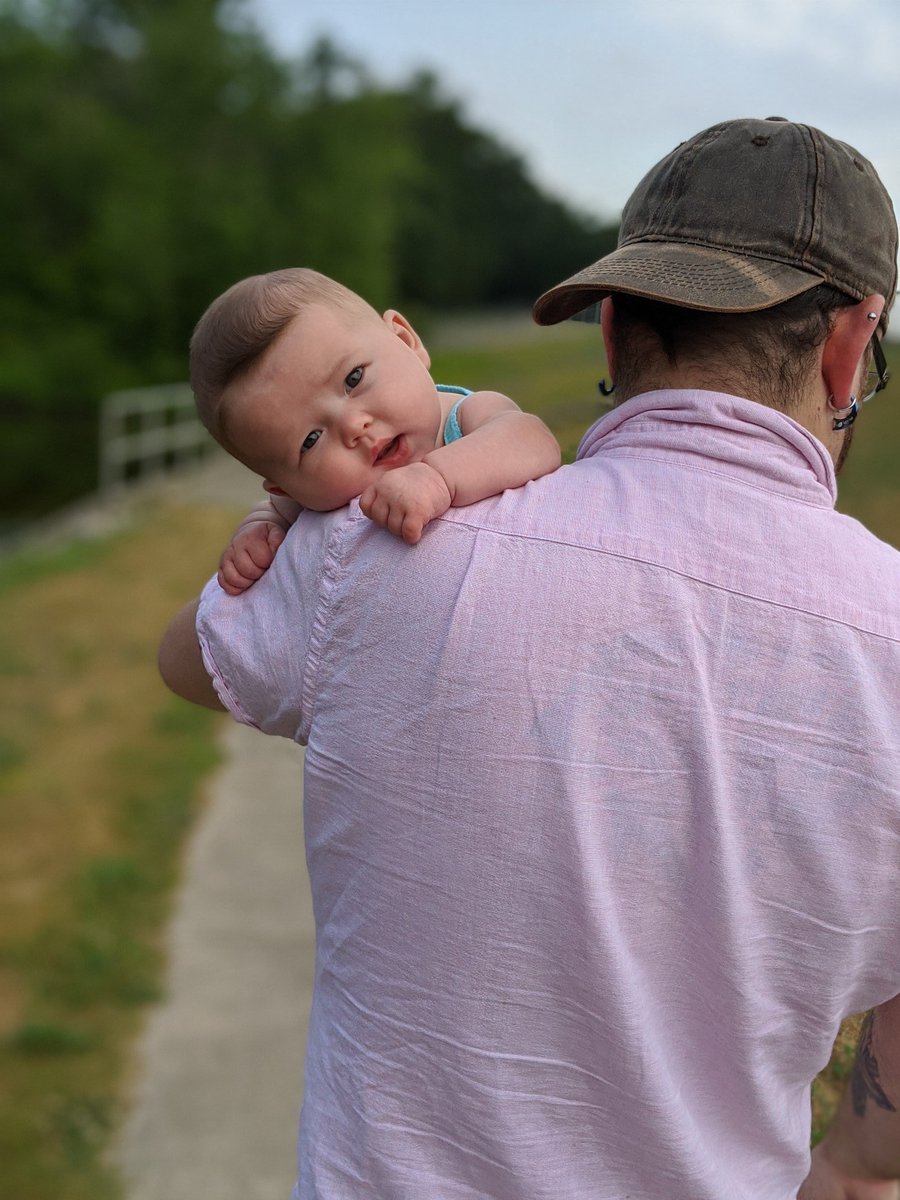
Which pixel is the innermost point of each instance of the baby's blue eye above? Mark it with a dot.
(354, 379)
(310, 440)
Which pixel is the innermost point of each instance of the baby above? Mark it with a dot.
(302, 381)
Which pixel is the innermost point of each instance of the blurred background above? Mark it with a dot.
(451, 160)
(438, 157)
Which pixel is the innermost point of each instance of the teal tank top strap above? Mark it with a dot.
(452, 429)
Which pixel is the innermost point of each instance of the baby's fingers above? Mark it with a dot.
(230, 579)
(367, 501)
(252, 560)
(405, 523)
(239, 569)
(411, 527)
(254, 555)
(375, 507)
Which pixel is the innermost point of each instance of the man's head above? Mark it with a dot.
(305, 383)
(762, 217)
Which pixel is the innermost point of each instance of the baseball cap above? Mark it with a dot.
(744, 216)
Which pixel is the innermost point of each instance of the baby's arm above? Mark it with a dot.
(503, 447)
(253, 544)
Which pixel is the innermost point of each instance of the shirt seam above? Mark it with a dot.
(649, 562)
(330, 574)
(224, 690)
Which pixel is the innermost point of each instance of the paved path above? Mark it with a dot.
(219, 1069)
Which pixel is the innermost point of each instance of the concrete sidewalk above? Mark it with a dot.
(219, 1072)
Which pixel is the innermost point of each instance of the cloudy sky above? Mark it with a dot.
(593, 92)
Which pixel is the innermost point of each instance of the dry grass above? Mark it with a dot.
(99, 771)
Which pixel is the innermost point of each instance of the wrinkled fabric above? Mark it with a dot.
(602, 814)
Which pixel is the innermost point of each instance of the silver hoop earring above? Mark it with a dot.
(844, 417)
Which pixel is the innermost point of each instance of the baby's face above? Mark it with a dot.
(338, 399)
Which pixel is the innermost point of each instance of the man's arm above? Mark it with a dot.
(180, 661)
(859, 1157)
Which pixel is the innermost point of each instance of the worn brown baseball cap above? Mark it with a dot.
(741, 217)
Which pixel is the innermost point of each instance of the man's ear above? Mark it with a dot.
(399, 325)
(272, 488)
(843, 349)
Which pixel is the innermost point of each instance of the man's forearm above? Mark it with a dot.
(864, 1139)
(181, 663)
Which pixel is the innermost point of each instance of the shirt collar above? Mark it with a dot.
(724, 433)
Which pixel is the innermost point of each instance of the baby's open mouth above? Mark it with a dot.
(391, 448)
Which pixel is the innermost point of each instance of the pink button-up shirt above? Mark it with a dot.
(602, 812)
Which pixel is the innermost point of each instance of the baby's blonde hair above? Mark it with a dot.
(242, 323)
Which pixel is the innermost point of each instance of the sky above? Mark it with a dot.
(591, 93)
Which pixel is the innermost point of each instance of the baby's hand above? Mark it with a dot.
(249, 556)
(404, 500)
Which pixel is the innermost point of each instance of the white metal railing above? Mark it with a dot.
(147, 431)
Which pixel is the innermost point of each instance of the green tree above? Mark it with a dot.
(156, 150)
(476, 228)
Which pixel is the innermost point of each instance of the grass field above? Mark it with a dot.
(101, 773)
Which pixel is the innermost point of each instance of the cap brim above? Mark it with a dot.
(677, 273)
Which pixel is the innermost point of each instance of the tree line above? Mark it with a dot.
(154, 151)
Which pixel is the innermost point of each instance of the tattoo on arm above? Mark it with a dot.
(865, 1082)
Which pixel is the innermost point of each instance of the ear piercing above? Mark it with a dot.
(844, 417)
(606, 389)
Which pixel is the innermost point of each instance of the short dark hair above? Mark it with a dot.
(774, 347)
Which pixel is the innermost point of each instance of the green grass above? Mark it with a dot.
(869, 487)
(552, 374)
(31, 566)
(100, 778)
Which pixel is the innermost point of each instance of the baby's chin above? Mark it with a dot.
(331, 505)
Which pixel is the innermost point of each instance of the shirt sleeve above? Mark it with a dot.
(261, 648)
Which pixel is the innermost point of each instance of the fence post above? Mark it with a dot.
(147, 431)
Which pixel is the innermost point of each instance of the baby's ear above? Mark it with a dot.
(272, 488)
(399, 325)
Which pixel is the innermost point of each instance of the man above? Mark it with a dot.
(602, 802)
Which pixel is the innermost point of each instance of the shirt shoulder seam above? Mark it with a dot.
(649, 562)
(329, 577)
